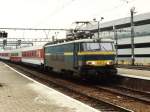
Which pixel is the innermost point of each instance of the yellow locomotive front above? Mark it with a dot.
(97, 57)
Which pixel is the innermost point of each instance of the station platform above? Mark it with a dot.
(19, 93)
(134, 73)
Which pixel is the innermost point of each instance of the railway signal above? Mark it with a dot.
(4, 42)
(3, 34)
(19, 42)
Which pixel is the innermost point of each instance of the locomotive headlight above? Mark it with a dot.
(109, 62)
(90, 63)
(93, 63)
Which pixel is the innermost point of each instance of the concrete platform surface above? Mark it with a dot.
(19, 93)
(140, 74)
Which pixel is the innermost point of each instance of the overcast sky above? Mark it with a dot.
(61, 13)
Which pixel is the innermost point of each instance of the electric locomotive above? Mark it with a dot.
(84, 57)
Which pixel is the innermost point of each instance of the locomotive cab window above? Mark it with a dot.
(106, 46)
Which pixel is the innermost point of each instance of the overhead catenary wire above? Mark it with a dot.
(109, 10)
(54, 29)
(57, 10)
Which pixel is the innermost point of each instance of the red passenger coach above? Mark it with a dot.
(5, 55)
(28, 55)
(33, 55)
(15, 55)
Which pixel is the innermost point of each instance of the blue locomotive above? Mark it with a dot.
(86, 57)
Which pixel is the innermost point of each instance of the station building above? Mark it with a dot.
(123, 39)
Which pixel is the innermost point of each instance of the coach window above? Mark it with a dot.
(30, 53)
(37, 53)
(27, 54)
(34, 53)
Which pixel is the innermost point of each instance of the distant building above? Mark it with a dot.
(142, 37)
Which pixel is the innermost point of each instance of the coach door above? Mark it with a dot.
(75, 55)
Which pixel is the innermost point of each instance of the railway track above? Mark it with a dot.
(82, 92)
(127, 92)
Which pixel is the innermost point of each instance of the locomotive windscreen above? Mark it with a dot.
(97, 46)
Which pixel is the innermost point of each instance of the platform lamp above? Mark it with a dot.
(132, 11)
(116, 42)
(98, 23)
